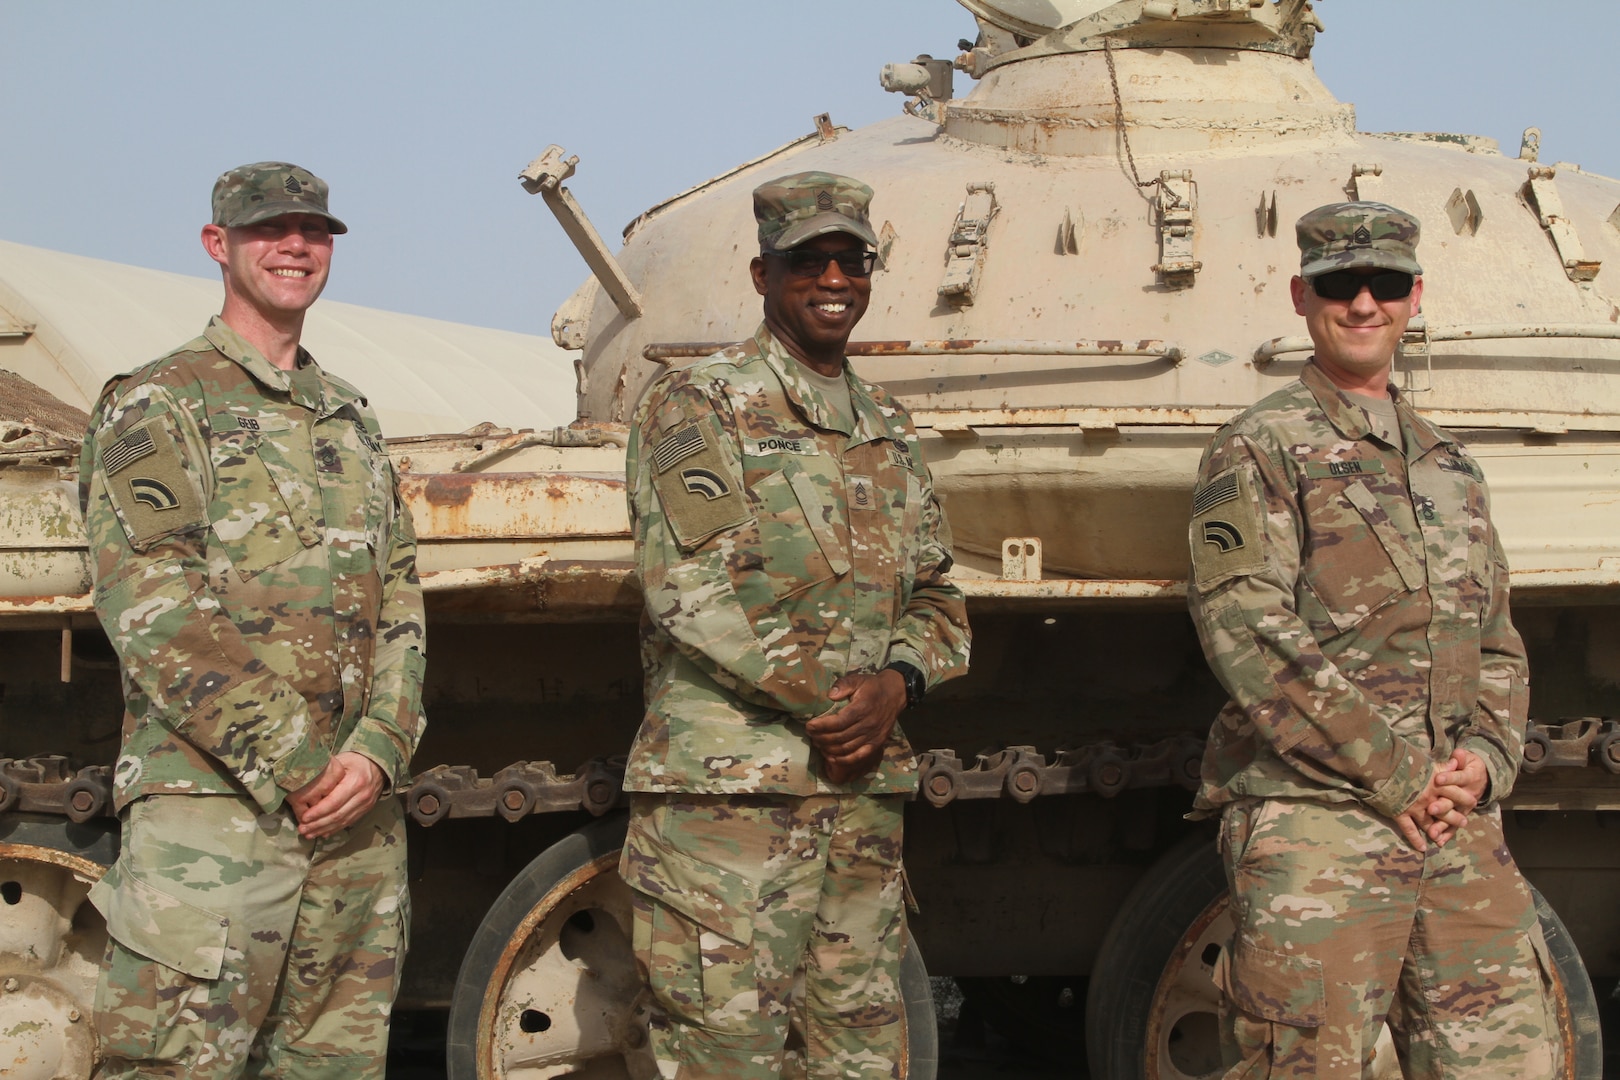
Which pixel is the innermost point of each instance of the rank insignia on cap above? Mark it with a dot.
(711, 485)
(293, 186)
(1223, 534)
(153, 493)
(824, 200)
(1362, 235)
(131, 448)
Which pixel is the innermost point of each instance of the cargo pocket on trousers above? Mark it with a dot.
(163, 957)
(700, 958)
(1277, 1002)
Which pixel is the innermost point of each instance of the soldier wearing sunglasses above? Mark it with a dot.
(1351, 595)
(793, 558)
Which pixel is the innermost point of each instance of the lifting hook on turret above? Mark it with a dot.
(544, 176)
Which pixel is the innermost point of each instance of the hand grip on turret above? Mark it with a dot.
(544, 176)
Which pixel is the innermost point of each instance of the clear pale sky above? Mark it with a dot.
(116, 117)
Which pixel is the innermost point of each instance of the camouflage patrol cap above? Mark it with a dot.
(1343, 235)
(267, 189)
(793, 209)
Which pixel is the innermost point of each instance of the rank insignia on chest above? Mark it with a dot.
(862, 495)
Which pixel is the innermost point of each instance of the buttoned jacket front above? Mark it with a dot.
(255, 571)
(1352, 598)
(777, 551)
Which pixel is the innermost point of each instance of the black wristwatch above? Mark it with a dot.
(916, 685)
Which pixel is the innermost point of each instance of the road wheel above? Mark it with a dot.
(1151, 1009)
(51, 941)
(549, 986)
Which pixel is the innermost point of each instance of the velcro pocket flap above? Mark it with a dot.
(715, 899)
(1273, 986)
(815, 512)
(1394, 544)
(150, 922)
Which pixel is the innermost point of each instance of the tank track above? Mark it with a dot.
(51, 784)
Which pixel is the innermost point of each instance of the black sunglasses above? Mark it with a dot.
(812, 264)
(1347, 285)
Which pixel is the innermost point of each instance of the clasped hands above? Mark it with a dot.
(1455, 788)
(851, 739)
(344, 792)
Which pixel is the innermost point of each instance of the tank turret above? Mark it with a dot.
(1084, 271)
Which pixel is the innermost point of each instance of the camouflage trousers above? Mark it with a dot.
(770, 928)
(1342, 926)
(237, 948)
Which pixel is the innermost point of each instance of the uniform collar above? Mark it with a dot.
(871, 420)
(1350, 419)
(332, 394)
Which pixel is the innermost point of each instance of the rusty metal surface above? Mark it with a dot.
(88, 869)
(663, 352)
(471, 506)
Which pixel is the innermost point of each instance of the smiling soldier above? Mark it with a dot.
(1351, 594)
(256, 574)
(792, 557)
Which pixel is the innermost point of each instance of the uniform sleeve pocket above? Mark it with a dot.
(149, 922)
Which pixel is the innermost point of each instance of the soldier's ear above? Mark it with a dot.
(1296, 289)
(213, 242)
(757, 271)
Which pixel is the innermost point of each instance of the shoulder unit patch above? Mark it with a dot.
(701, 497)
(1226, 535)
(149, 486)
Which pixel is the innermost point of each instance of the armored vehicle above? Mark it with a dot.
(1084, 266)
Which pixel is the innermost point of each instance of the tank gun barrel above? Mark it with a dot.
(544, 176)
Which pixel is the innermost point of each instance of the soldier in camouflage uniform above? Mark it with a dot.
(256, 574)
(1351, 594)
(792, 556)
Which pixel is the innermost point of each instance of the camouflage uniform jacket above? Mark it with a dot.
(1352, 598)
(255, 571)
(776, 553)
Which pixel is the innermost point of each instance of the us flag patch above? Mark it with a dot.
(1214, 493)
(132, 447)
(678, 447)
